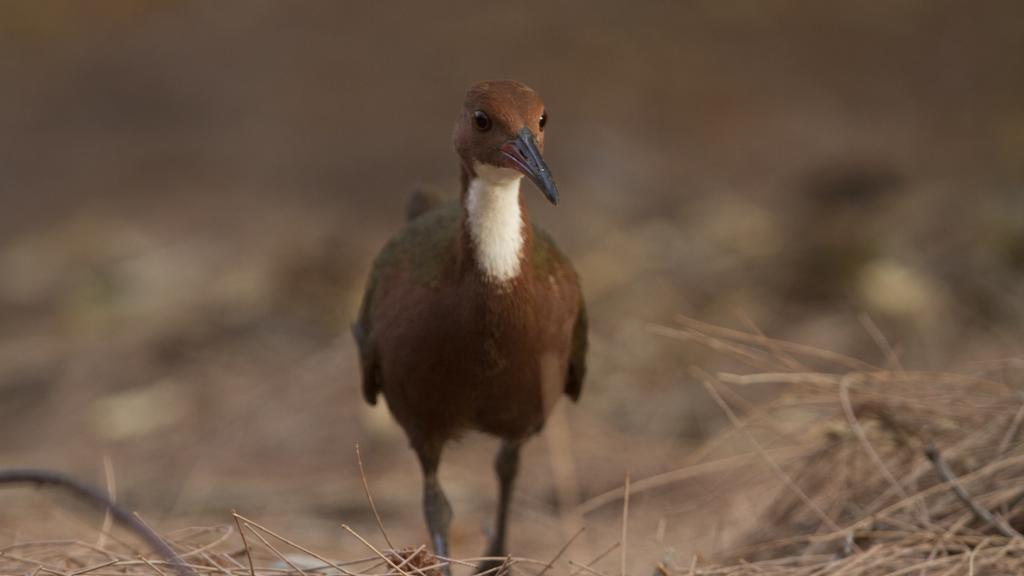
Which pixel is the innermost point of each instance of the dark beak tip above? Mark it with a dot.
(526, 157)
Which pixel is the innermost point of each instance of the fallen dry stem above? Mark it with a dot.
(561, 550)
(245, 543)
(374, 549)
(849, 490)
(980, 511)
(294, 545)
(369, 497)
(792, 486)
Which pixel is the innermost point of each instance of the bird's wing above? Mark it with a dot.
(367, 353)
(423, 200)
(548, 258)
(416, 254)
(578, 354)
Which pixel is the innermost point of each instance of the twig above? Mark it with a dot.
(750, 356)
(974, 554)
(793, 347)
(276, 552)
(39, 565)
(245, 543)
(679, 475)
(596, 559)
(661, 568)
(227, 558)
(170, 543)
(94, 568)
(151, 565)
(1011, 432)
(787, 360)
(374, 549)
(811, 378)
(209, 560)
(706, 379)
(298, 547)
(561, 551)
(369, 498)
(97, 498)
(585, 568)
(412, 555)
(1013, 503)
(987, 470)
(932, 453)
(858, 430)
(208, 546)
(881, 341)
(108, 471)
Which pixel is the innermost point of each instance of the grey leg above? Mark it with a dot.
(436, 508)
(506, 465)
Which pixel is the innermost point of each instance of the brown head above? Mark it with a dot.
(501, 124)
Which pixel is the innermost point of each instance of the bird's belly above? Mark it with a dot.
(502, 379)
(514, 400)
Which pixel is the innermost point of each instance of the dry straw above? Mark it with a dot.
(888, 472)
(898, 472)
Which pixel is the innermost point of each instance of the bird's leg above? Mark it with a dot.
(506, 465)
(436, 508)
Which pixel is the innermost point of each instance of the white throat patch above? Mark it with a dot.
(495, 221)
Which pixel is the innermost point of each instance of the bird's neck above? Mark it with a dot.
(494, 222)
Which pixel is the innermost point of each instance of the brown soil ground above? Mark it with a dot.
(191, 194)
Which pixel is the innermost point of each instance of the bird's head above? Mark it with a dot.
(501, 125)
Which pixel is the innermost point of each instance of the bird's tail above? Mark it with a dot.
(421, 201)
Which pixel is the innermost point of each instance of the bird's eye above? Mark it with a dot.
(481, 120)
(543, 120)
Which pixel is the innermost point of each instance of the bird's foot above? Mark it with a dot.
(497, 562)
(441, 554)
(493, 567)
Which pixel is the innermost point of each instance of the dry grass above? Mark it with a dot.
(222, 550)
(900, 472)
(876, 471)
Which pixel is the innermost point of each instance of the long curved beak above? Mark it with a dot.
(523, 153)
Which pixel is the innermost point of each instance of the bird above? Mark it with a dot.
(472, 318)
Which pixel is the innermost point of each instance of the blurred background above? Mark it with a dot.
(191, 194)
